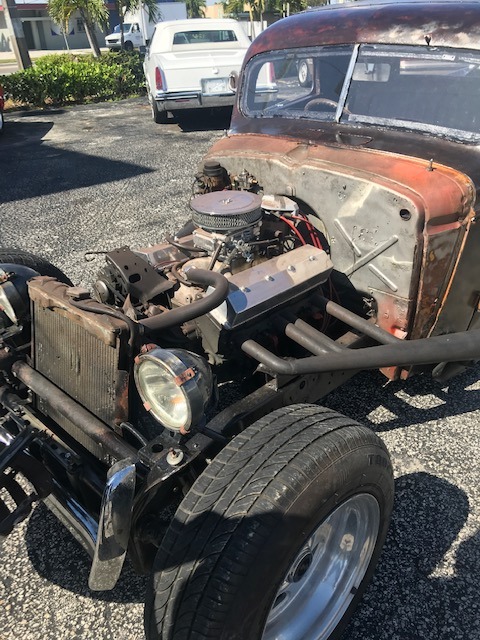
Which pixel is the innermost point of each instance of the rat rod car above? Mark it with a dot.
(333, 229)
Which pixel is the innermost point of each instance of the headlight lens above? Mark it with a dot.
(175, 386)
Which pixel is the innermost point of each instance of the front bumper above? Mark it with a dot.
(104, 536)
(105, 540)
(177, 100)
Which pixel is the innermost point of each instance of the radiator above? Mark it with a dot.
(82, 353)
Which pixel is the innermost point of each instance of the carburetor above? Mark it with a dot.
(226, 223)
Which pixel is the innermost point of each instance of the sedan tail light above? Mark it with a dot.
(158, 79)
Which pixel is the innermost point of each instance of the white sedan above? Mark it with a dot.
(189, 62)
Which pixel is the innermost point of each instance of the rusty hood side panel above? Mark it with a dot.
(395, 224)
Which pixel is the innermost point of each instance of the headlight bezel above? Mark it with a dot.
(192, 377)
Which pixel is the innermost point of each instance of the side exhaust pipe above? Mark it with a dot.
(454, 347)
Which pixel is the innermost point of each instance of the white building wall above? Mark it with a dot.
(42, 33)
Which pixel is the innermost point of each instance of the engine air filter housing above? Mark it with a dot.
(226, 211)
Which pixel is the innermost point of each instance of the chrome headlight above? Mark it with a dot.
(10, 301)
(14, 301)
(174, 385)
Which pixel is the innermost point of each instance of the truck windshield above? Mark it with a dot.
(436, 90)
(126, 28)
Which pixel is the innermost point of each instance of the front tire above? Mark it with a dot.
(128, 46)
(37, 263)
(298, 503)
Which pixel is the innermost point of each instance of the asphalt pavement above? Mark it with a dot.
(97, 177)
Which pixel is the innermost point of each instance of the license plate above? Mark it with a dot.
(214, 86)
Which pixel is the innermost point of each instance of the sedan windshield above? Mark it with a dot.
(436, 90)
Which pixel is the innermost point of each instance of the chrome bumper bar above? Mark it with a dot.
(191, 100)
(106, 541)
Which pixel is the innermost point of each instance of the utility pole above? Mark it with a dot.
(17, 36)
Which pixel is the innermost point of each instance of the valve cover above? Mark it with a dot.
(259, 290)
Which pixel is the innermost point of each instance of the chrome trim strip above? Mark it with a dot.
(346, 83)
(175, 102)
(5, 436)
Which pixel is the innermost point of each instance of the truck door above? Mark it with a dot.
(136, 35)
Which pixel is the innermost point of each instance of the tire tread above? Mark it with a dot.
(261, 464)
(27, 259)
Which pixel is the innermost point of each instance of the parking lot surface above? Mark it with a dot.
(93, 178)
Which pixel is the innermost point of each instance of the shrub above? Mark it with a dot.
(63, 78)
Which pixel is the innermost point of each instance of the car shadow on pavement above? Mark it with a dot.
(57, 557)
(31, 167)
(204, 119)
(18, 133)
(423, 588)
(393, 405)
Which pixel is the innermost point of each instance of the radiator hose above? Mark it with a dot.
(180, 315)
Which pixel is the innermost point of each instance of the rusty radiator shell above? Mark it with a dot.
(82, 353)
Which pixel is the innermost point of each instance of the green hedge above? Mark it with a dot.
(62, 78)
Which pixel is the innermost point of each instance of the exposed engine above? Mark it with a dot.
(242, 267)
(268, 250)
(230, 230)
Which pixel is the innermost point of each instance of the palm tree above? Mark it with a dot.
(196, 8)
(257, 8)
(122, 6)
(92, 12)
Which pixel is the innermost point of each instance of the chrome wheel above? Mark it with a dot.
(325, 575)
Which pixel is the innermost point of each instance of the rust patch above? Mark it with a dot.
(121, 397)
(444, 194)
(185, 376)
(51, 294)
